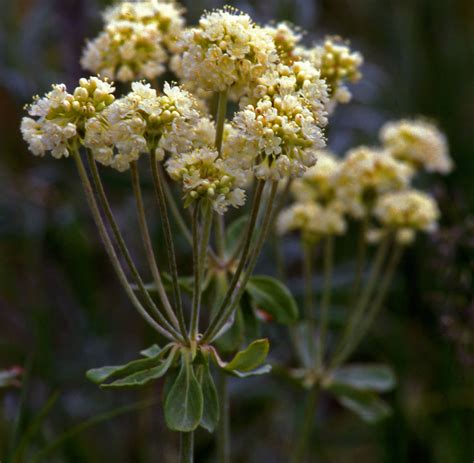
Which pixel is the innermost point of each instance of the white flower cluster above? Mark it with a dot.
(364, 175)
(143, 122)
(206, 176)
(226, 51)
(405, 212)
(59, 118)
(419, 143)
(284, 126)
(135, 40)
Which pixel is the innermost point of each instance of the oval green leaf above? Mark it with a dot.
(184, 401)
(274, 298)
(380, 378)
(211, 412)
(250, 358)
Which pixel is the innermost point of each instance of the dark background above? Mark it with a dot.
(61, 308)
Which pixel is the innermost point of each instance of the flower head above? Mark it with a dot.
(226, 51)
(418, 143)
(405, 212)
(338, 65)
(312, 219)
(206, 176)
(143, 122)
(135, 40)
(364, 174)
(318, 182)
(286, 38)
(283, 121)
(59, 118)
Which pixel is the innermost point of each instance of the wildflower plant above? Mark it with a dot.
(270, 149)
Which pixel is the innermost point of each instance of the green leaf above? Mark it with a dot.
(151, 351)
(378, 378)
(364, 404)
(99, 375)
(234, 234)
(184, 402)
(143, 377)
(250, 358)
(211, 412)
(274, 298)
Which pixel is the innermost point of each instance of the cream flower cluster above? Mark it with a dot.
(206, 176)
(364, 175)
(338, 64)
(418, 143)
(405, 212)
(317, 183)
(312, 219)
(226, 51)
(143, 122)
(284, 126)
(286, 38)
(59, 118)
(135, 40)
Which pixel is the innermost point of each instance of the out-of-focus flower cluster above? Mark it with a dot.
(136, 40)
(372, 185)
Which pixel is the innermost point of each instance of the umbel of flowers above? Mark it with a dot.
(284, 93)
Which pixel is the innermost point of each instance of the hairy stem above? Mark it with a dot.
(345, 343)
(161, 199)
(253, 257)
(380, 297)
(110, 248)
(326, 298)
(186, 453)
(243, 260)
(150, 255)
(122, 246)
(361, 257)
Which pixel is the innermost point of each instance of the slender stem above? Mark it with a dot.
(110, 248)
(361, 257)
(200, 244)
(220, 119)
(380, 297)
(186, 454)
(223, 431)
(308, 254)
(304, 433)
(122, 246)
(326, 298)
(243, 260)
(174, 207)
(150, 255)
(253, 257)
(161, 199)
(344, 345)
(220, 236)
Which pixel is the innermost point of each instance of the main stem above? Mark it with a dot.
(110, 248)
(307, 426)
(186, 454)
(161, 199)
(223, 431)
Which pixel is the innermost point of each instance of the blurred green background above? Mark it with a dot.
(61, 308)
